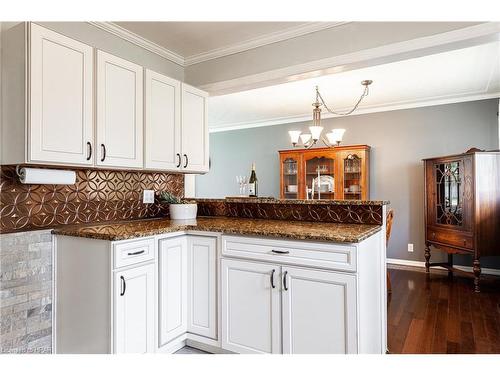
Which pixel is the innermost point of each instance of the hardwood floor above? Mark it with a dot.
(432, 313)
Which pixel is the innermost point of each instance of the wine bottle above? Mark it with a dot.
(253, 183)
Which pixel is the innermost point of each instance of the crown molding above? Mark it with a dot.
(394, 106)
(460, 38)
(138, 40)
(277, 36)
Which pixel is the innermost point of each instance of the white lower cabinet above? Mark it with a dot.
(173, 288)
(319, 312)
(188, 288)
(251, 315)
(158, 293)
(202, 286)
(134, 315)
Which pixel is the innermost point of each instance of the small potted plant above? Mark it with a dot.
(180, 209)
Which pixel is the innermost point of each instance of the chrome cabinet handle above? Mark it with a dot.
(136, 253)
(103, 152)
(280, 251)
(272, 279)
(89, 155)
(187, 161)
(124, 286)
(178, 160)
(284, 281)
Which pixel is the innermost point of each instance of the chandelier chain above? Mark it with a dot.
(363, 95)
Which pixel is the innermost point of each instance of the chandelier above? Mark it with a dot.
(334, 137)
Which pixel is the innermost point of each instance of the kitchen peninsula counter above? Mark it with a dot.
(298, 230)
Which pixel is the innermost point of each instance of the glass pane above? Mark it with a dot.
(352, 177)
(449, 194)
(320, 183)
(290, 178)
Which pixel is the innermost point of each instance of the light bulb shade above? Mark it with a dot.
(305, 138)
(335, 136)
(315, 132)
(294, 136)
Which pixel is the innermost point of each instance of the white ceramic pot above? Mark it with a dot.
(183, 211)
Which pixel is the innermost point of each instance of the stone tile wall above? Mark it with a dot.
(26, 292)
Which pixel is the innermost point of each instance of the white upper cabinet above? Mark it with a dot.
(70, 104)
(319, 312)
(61, 115)
(119, 112)
(195, 151)
(163, 122)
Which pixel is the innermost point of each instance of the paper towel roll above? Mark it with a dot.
(46, 176)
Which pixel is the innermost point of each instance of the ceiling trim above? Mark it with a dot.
(461, 38)
(264, 40)
(394, 106)
(138, 40)
(278, 36)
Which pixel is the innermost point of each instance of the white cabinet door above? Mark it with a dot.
(319, 312)
(194, 129)
(202, 286)
(251, 317)
(61, 117)
(119, 112)
(173, 288)
(163, 122)
(134, 296)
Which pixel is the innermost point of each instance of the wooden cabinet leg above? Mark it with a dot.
(450, 263)
(427, 255)
(476, 268)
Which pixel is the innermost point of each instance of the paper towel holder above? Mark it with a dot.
(31, 175)
(18, 171)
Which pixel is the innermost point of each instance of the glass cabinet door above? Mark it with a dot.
(352, 177)
(449, 206)
(320, 177)
(290, 170)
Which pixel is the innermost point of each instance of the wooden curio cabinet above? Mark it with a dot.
(342, 173)
(463, 207)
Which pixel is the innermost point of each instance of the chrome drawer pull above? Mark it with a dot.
(136, 253)
(280, 251)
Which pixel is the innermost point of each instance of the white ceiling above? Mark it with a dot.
(189, 39)
(460, 75)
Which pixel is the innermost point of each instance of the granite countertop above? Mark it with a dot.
(297, 230)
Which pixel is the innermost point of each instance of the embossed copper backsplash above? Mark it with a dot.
(330, 212)
(97, 196)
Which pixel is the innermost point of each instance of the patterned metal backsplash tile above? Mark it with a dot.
(97, 196)
(329, 213)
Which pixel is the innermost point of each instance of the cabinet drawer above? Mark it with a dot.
(323, 255)
(449, 237)
(131, 252)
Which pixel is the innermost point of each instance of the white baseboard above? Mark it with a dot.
(416, 263)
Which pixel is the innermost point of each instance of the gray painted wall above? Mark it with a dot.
(399, 140)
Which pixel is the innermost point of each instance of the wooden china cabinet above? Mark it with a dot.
(463, 208)
(342, 172)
